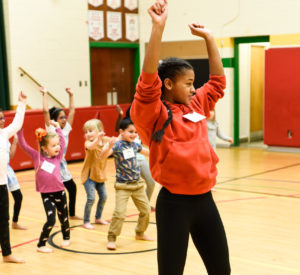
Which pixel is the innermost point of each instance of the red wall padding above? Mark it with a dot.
(282, 97)
(35, 119)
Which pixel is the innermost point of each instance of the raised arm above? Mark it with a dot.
(61, 138)
(71, 106)
(159, 14)
(17, 123)
(214, 59)
(120, 115)
(45, 106)
(28, 149)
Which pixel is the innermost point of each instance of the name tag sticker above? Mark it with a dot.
(48, 167)
(195, 117)
(128, 153)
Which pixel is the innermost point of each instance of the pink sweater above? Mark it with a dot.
(46, 181)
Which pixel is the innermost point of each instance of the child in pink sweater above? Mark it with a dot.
(48, 181)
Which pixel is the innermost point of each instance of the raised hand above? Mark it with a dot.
(112, 141)
(70, 91)
(54, 123)
(199, 30)
(119, 110)
(22, 97)
(159, 11)
(43, 90)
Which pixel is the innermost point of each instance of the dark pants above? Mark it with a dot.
(72, 189)
(53, 201)
(4, 224)
(177, 216)
(17, 195)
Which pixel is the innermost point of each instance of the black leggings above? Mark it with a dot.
(53, 201)
(71, 187)
(4, 218)
(177, 216)
(17, 195)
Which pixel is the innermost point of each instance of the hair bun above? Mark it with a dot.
(40, 133)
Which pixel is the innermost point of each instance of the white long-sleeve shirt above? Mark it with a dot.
(5, 134)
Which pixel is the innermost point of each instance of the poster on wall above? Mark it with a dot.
(114, 25)
(131, 4)
(95, 3)
(96, 24)
(114, 4)
(132, 26)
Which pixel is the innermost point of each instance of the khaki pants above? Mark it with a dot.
(138, 195)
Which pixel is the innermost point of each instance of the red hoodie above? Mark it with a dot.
(184, 161)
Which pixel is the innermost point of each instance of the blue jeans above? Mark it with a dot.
(90, 187)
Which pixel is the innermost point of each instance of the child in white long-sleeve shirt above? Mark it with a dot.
(5, 134)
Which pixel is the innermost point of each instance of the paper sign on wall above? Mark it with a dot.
(131, 4)
(96, 24)
(114, 25)
(114, 4)
(95, 3)
(132, 26)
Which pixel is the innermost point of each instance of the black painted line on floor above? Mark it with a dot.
(51, 242)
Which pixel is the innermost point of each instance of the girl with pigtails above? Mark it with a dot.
(65, 124)
(48, 181)
(169, 115)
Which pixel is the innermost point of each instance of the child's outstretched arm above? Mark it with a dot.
(17, 123)
(222, 136)
(145, 151)
(71, 106)
(215, 62)
(24, 145)
(159, 13)
(91, 145)
(107, 149)
(45, 106)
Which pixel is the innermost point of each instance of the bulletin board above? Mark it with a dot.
(113, 20)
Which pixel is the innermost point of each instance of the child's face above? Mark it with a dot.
(62, 119)
(52, 148)
(129, 134)
(182, 89)
(91, 134)
(2, 120)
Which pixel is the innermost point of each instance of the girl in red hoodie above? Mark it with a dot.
(169, 115)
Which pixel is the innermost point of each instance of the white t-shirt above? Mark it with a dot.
(64, 172)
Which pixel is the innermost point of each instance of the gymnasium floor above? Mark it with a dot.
(258, 196)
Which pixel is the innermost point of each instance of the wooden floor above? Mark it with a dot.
(258, 196)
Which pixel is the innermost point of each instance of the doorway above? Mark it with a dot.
(113, 75)
(248, 88)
